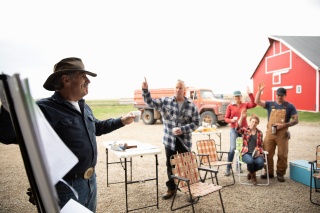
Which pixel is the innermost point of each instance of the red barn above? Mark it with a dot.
(291, 62)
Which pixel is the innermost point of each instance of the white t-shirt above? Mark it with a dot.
(75, 105)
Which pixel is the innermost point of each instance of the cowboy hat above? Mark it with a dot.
(65, 66)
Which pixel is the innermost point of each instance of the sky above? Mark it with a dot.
(215, 44)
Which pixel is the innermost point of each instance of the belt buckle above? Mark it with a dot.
(88, 173)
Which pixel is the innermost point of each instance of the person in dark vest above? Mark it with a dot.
(281, 116)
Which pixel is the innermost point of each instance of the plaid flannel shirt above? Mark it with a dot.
(246, 134)
(187, 118)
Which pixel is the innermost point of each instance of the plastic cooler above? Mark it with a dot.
(300, 172)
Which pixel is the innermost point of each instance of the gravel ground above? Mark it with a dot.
(289, 196)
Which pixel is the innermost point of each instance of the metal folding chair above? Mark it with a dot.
(208, 156)
(239, 143)
(315, 176)
(186, 175)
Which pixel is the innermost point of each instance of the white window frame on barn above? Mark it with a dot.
(298, 89)
(276, 76)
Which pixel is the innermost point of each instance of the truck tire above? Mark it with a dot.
(208, 117)
(148, 117)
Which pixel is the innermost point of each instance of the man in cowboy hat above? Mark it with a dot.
(74, 122)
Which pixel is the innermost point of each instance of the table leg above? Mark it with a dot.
(131, 169)
(125, 182)
(219, 135)
(157, 182)
(107, 166)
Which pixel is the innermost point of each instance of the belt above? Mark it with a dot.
(74, 176)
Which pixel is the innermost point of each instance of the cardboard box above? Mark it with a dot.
(300, 172)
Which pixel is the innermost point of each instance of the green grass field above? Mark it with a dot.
(303, 116)
(104, 109)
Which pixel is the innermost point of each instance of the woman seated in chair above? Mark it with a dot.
(252, 152)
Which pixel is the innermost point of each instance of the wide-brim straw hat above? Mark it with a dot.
(65, 66)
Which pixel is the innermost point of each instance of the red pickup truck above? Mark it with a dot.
(211, 109)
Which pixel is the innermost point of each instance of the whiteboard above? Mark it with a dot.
(38, 144)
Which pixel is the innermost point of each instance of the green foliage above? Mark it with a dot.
(303, 116)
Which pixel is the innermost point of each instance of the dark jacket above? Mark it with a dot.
(77, 130)
(7, 132)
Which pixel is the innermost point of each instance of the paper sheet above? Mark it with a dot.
(59, 157)
(73, 206)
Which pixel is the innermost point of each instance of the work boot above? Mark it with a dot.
(227, 173)
(249, 176)
(168, 194)
(264, 176)
(280, 177)
(253, 178)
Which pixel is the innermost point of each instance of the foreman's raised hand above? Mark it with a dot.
(145, 84)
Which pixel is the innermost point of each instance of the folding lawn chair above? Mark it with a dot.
(239, 143)
(186, 175)
(208, 155)
(315, 176)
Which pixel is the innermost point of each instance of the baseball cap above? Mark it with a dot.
(237, 93)
(281, 91)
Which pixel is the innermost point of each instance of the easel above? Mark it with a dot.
(43, 192)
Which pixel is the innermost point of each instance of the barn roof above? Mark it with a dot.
(307, 47)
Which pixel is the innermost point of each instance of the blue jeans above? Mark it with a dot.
(253, 164)
(180, 149)
(233, 136)
(87, 192)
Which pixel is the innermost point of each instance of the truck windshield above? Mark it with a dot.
(207, 94)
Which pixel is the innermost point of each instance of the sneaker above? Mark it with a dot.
(168, 195)
(280, 178)
(264, 176)
(227, 173)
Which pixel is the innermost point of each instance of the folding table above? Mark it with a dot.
(141, 150)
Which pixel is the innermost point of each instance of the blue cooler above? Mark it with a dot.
(300, 172)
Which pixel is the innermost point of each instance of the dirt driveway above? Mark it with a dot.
(289, 196)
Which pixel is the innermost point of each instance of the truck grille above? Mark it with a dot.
(223, 108)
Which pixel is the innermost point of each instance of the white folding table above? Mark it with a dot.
(141, 150)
